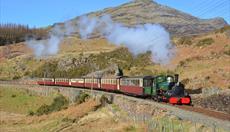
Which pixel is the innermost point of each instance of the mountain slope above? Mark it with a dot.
(147, 11)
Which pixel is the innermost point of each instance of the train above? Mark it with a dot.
(161, 88)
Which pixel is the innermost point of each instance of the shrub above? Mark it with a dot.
(104, 100)
(227, 52)
(60, 102)
(81, 98)
(44, 109)
(66, 119)
(204, 42)
(30, 113)
(16, 77)
(130, 129)
(13, 95)
(185, 41)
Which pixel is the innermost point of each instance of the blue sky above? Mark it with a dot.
(42, 13)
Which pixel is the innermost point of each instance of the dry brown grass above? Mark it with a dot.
(204, 66)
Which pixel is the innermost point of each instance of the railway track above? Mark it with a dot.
(203, 111)
(207, 112)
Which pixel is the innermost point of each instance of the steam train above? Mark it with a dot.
(162, 88)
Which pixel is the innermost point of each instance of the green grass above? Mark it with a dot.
(20, 100)
(115, 107)
(44, 126)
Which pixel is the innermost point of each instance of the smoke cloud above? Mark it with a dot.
(138, 39)
(50, 46)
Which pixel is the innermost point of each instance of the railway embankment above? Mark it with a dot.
(144, 110)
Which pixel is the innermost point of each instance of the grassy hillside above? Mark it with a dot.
(205, 62)
(20, 101)
(202, 61)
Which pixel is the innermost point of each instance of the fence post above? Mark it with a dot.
(172, 125)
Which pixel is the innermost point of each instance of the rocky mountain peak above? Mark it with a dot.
(176, 22)
(143, 1)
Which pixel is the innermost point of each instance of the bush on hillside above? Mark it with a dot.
(58, 103)
(13, 95)
(30, 113)
(204, 42)
(227, 50)
(185, 41)
(44, 109)
(104, 100)
(82, 97)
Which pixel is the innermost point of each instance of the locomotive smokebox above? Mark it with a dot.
(176, 78)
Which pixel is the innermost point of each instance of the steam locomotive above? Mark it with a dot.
(162, 88)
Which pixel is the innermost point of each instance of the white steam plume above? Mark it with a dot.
(51, 45)
(138, 39)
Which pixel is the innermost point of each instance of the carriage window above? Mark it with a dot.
(134, 82)
(147, 83)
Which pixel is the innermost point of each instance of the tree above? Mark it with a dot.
(15, 33)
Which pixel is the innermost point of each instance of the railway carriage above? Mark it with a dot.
(46, 81)
(140, 86)
(77, 82)
(94, 83)
(110, 84)
(62, 81)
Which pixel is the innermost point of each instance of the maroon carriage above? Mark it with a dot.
(110, 84)
(94, 83)
(46, 81)
(132, 85)
(62, 82)
(77, 82)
